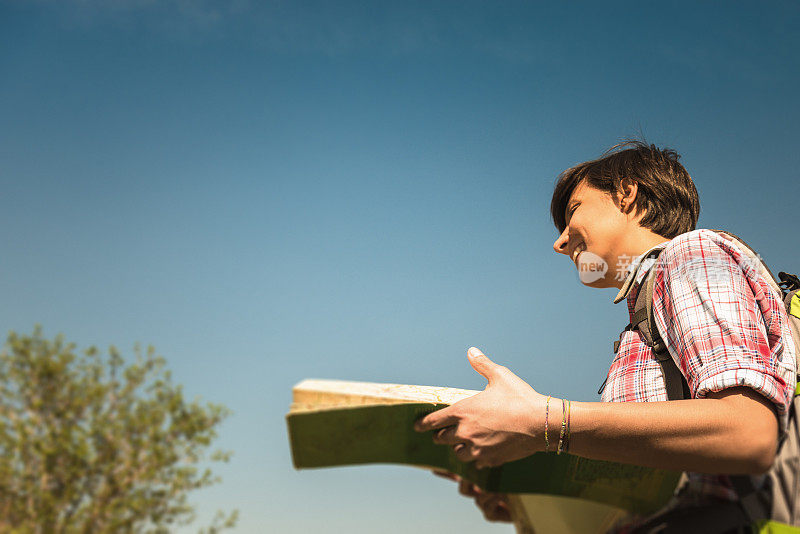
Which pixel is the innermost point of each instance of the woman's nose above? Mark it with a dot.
(560, 245)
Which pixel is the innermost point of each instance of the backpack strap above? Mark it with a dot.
(644, 321)
(715, 518)
(751, 498)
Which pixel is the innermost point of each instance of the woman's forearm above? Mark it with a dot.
(736, 432)
(732, 431)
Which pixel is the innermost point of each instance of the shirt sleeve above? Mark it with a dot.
(723, 324)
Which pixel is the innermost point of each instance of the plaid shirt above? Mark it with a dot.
(724, 326)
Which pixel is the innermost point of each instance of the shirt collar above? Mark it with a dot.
(636, 270)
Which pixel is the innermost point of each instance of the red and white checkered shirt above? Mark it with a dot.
(723, 324)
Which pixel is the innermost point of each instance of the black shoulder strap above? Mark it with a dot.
(644, 321)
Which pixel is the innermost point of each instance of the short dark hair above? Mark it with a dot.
(666, 192)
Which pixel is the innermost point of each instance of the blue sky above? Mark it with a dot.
(270, 191)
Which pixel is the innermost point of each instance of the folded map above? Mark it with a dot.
(337, 423)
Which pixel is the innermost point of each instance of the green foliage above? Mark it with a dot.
(88, 444)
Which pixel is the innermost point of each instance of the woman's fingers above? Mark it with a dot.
(467, 488)
(446, 436)
(446, 474)
(463, 452)
(494, 506)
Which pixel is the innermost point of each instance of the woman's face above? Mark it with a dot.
(594, 236)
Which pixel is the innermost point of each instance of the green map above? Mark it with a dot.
(372, 434)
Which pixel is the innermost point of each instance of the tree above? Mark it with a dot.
(90, 445)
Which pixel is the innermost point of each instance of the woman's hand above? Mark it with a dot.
(494, 506)
(504, 422)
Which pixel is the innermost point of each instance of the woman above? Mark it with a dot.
(723, 325)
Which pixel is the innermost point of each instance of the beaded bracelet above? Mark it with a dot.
(569, 416)
(563, 426)
(546, 416)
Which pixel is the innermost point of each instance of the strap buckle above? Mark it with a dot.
(789, 282)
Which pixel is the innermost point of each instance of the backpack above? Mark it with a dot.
(775, 503)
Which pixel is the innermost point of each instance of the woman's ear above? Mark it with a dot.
(626, 195)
